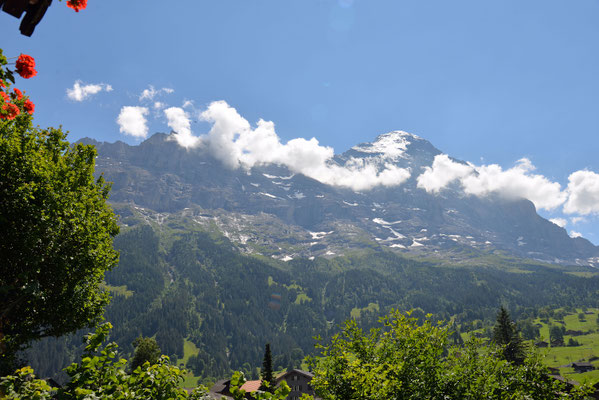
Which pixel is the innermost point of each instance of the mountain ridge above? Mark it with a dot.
(161, 176)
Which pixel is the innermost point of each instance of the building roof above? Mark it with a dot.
(582, 364)
(307, 374)
(221, 386)
(251, 386)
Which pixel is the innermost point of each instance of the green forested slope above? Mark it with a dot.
(198, 287)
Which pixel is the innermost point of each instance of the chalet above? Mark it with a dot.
(581, 367)
(221, 389)
(298, 381)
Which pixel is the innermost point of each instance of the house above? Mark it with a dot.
(221, 389)
(297, 380)
(542, 343)
(581, 367)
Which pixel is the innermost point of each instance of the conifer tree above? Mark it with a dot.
(267, 375)
(505, 333)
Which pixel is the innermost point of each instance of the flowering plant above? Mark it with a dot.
(77, 4)
(25, 66)
(14, 103)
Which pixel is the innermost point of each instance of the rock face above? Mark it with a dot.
(272, 211)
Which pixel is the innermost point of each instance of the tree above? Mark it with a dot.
(400, 360)
(146, 350)
(56, 229)
(556, 335)
(267, 377)
(505, 333)
(404, 359)
(101, 375)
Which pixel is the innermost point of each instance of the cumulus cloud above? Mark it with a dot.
(132, 121)
(151, 92)
(583, 193)
(178, 121)
(81, 91)
(442, 173)
(238, 145)
(574, 234)
(516, 182)
(575, 220)
(561, 222)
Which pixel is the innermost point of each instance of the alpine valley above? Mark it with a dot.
(215, 261)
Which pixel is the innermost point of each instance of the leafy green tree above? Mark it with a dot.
(479, 371)
(56, 232)
(267, 377)
(146, 350)
(505, 334)
(102, 375)
(400, 360)
(556, 335)
(407, 360)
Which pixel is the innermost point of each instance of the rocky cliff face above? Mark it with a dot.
(272, 211)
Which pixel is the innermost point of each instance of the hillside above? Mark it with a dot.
(186, 287)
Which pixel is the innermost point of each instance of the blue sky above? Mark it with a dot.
(487, 82)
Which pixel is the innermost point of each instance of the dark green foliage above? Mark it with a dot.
(267, 376)
(101, 375)
(197, 287)
(556, 335)
(146, 350)
(404, 359)
(529, 329)
(56, 232)
(573, 342)
(506, 335)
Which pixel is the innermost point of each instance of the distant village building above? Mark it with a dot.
(581, 367)
(297, 380)
(542, 344)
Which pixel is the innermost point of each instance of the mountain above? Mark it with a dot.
(271, 211)
(215, 262)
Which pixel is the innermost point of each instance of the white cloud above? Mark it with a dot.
(158, 105)
(151, 92)
(178, 121)
(442, 173)
(232, 140)
(187, 103)
(583, 193)
(132, 121)
(575, 220)
(574, 234)
(561, 222)
(81, 91)
(516, 182)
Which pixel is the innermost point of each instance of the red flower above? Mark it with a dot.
(26, 66)
(9, 111)
(29, 106)
(5, 97)
(77, 4)
(18, 93)
(2, 84)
